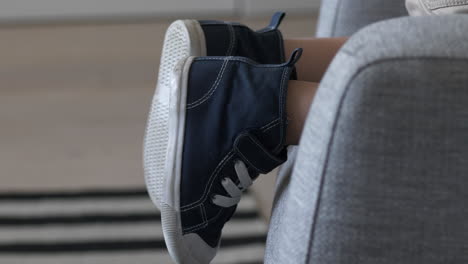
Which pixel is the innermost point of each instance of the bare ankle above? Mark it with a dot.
(299, 99)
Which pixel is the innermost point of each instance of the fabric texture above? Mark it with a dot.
(338, 20)
(252, 135)
(342, 18)
(436, 7)
(381, 168)
(230, 39)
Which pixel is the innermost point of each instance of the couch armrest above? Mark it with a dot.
(342, 18)
(381, 165)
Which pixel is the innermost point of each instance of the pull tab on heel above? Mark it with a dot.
(295, 56)
(275, 22)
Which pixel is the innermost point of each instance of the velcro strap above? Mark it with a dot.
(255, 155)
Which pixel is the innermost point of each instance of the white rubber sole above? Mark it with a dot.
(183, 39)
(164, 139)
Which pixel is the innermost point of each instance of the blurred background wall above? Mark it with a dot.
(16, 11)
(76, 83)
(77, 78)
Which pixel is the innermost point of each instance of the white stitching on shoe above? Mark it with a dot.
(250, 163)
(242, 59)
(213, 88)
(232, 34)
(202, 225)
(234, 191)
(269, 125)
(197, 225)
(268, 154)
(281, 109)
(230, 154)
(214, 175)
(204, 197)
(210, 181)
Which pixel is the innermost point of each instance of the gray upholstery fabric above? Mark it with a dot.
(342, 18)
(436, 7)
(337, 19)
(381, 175)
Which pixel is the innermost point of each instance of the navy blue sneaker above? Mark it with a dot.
(186, 38)
(222, 122)
(264, 46)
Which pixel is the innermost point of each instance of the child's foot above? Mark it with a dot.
(185, 38)
(222, 121)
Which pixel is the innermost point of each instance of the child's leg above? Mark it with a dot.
(299, 98)
(317, 55)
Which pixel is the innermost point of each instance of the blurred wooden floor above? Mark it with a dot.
(74, 100)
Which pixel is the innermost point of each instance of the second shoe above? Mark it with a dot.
(195, 38)
(222, 123)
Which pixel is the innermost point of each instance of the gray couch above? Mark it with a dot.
(342, 18)
(381, 173)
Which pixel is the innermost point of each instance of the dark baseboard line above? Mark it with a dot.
(95, 218)
(6, 196)
(72, 195)
(58, 247)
